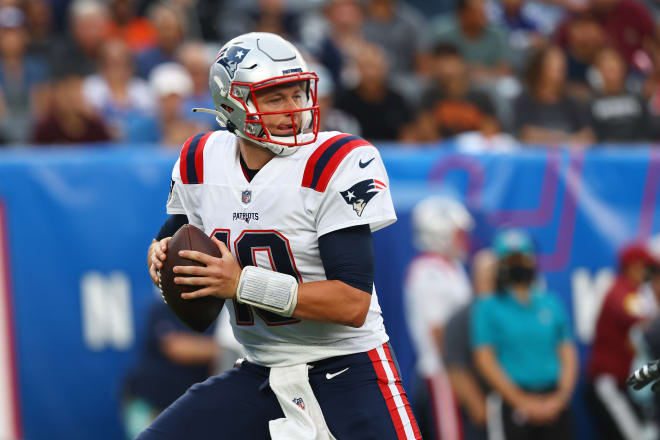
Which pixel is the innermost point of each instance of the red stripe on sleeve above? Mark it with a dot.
(314, 158)
(183, 162)
(199, 157)
(380, 183)
(334, 162)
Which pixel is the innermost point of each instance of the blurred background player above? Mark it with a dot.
(617, 415)
(645, 337)
(173, 357)
(523, 348)
(436, 286)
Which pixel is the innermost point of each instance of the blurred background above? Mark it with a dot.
(538, 115)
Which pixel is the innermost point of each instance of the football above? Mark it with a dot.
(197, 313)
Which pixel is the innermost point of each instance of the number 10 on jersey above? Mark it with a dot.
(247, 247)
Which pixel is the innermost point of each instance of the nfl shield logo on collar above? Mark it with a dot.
(246, 196)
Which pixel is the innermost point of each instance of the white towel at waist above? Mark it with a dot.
(303, 419)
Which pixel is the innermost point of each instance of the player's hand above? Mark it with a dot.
(156, 254)
(219, 277)
(645, 375)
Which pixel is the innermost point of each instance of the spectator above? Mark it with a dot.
(654, 8)
(451, 106)
(331, 118)
(21, 77)
(616, 114)
(275, 16)
(90, 23)
(543, 113)
(469, 388)
(523, 348)
(136, 32)
(616, 415)
(584, 38)
(334, 40)
(650, 85)
(69, 119)
(172, 85)
(628, 25)
(436, 287)
(651, 92)
(381, 112)
(481, 43)
(39, 19)
(170, 33)
(193, 56)
(524, 29)
(431, 9)
(489, 138)
(122, 99)
(397, 27)
(400, 29)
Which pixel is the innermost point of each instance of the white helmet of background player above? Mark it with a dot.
(441, 225)
(251, 62)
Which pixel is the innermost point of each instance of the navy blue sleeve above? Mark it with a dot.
(171, 225)
(348, 256)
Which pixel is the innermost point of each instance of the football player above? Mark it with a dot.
(436, 286)
(292, 210)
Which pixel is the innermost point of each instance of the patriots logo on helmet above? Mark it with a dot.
(231, 57)
(361, 193)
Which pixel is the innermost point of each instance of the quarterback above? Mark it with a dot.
(292, 211)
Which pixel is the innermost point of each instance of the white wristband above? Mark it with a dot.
(268, 290)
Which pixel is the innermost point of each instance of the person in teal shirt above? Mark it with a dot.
(523, 348)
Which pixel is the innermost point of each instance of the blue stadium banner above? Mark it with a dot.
(75, 225)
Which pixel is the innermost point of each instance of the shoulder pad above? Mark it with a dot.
(323, 163)
(191, 163)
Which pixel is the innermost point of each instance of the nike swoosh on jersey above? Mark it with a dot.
(332, 375)
(365, 164)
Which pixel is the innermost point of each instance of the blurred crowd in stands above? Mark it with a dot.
(488, 73)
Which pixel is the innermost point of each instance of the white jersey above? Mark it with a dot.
(275, 221)
(435, 288)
